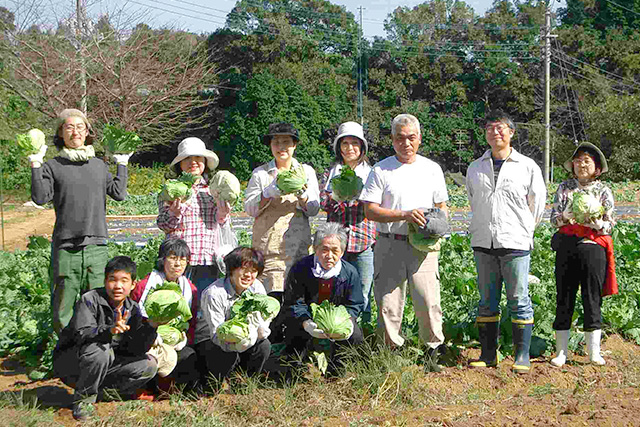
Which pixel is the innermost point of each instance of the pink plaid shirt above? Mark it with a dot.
(198, 223)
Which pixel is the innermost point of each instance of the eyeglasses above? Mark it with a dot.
(585, 161)
(80, 127)
(174, 259)
(499, 127)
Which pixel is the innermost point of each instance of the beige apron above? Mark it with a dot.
(282, 233)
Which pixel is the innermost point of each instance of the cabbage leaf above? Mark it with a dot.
(418, 240)
(586, 207)
(233, 330)
(31, 142)
(119, 141)
(178, 188)
(346, 186)
(249, 302)
(292, 180)
(170, 335)
(335, 321)
(166, 303)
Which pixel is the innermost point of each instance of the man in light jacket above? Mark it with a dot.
(507, 196)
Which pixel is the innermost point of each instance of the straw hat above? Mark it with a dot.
(350, 129)
(591, 149)
(193, 146)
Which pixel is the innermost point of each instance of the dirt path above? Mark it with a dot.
(22, 222)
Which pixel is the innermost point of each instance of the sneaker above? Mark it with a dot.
(82, 410)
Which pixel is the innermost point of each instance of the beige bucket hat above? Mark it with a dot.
(193, 146)
(351, 129)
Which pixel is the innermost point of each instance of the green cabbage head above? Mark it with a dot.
(31, 142)
(346, 186)
(250, 302)
(292, 180)
(335, 321)
(166, 303)
(119, 141)
(178, 188)
(233, 330)
(586, 207)
(170, 335)
(418, 240)
(225, 185)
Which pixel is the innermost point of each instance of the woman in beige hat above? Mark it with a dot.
(584, 249)
(350, 148)
(198, 220)
(281, 228)
(77, 183)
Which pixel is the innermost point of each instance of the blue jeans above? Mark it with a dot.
(363, 262)
(514, 272)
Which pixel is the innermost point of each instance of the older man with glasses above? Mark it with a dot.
(507, 196)
(77, 183)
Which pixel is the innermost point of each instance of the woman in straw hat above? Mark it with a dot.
(281, 228)
(350, 148)
(78, 185)
(584, 249)
(198, 220)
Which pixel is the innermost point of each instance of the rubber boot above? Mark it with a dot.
(593, 346)
(562, 348)
(488, 330)
(521, 341)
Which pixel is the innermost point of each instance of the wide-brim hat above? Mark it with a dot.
(589, 148)
(193, 146)
(71, 112)
(280, 129)
(350, 129)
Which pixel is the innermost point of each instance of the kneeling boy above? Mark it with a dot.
(106, 341)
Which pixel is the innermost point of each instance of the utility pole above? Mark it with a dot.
(547, 96)
(80, 13)
(360, 112)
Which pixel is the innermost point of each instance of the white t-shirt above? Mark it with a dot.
(404, 186)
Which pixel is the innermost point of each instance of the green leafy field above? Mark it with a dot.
(25, 321)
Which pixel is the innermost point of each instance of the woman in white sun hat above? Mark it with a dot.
(199, 219)
(351, 147)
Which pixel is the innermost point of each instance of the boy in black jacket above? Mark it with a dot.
(106, 341)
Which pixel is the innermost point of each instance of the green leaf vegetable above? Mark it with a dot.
(170, 335)
(418, 240)
(292, 180)
(335, 321)
(178, 188)
(226, 186)
(233, 330)
(250, 302)
(166, 303)
(119, 141)
(586, 207)
(347, 185)
(31, 142)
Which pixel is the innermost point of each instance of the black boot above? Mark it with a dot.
(488, 330)
(521, 341)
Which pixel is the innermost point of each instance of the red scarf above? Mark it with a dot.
(610, 286)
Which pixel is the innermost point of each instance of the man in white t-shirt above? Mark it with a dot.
(398, 191)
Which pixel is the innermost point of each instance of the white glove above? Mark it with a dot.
(122, 159)
(598, 224)
(182, 344)
(311, 328)
(37, 159)
(246, 343)
(271, 191)
(255, 318)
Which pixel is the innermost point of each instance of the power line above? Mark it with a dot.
(566, 92)
(174, 12)
(622, 7)
(633, 82)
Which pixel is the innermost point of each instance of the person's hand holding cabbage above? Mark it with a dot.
(329, 322)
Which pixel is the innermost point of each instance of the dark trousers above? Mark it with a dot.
(277, 325)
(186, 370)
(220, 363)
(298, 340)
(94, 366)
(579, 265)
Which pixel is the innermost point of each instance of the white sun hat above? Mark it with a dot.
(350, 129)
(193, 146)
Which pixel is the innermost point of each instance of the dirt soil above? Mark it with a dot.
(21, 222)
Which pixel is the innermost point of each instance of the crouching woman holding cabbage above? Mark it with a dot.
(323, 278)
(583, 212)
(233, 334)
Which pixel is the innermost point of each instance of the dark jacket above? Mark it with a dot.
(78, 191)
(302, 288)
(93, 319)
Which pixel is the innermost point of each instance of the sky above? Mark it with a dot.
(205, 16)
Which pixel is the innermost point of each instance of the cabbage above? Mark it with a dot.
(586, 207)
(170, 335)
(420, 241)
(233, 330)
(178, 188)
(119, 141)
(292, 180)
(166, 303)
(31, 142)
(347, 185)
(249, 302)
(334, 321)
(226, 186)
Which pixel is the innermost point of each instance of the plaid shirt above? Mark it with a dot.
(362, 232)
(198, 224)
